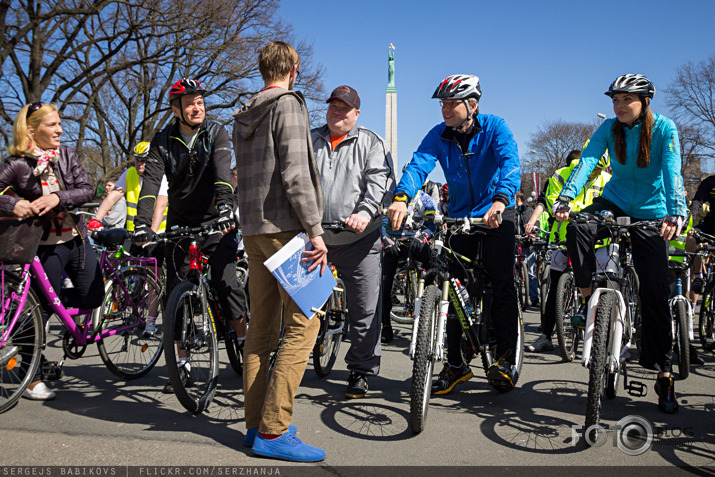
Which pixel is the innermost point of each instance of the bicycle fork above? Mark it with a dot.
(441, 322)
(416, 314)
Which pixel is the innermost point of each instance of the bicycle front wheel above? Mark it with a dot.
(191, 329)
(706, 326)
(597, 367)
(423, 365)
(131, 350)
(325, 352)
(20, 355)
(567, 302)
(681, 339)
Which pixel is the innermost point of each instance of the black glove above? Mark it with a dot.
(676, 221)
(225, 218)
(390, 245)
(559, 205)
(143, 234)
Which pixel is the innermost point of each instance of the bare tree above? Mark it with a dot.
(691, 98)
(551, 143)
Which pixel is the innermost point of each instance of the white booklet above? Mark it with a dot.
(310, 291)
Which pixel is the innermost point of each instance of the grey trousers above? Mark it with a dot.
(360, 267)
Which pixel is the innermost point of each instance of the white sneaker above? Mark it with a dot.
(150, 328)
(39, 393)
(542, 343)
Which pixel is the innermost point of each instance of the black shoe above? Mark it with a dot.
(667, 400)
(697, 285)
(185, 375)
(450, 377)
(387, 334)
(502, 376)
(535, 303)
(357, 386)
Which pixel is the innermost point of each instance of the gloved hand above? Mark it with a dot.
(225, 218)
(390, 245)
(95, 224)
(560, 205)
(143, 234)
(672, 226)
(417, 244)
(675, 221)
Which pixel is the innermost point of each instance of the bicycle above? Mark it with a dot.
(440, 291)
(521, 272)
(192, 313)
(117, 327)
(706, 324)
(610, 322)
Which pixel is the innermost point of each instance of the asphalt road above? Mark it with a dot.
(97, 420)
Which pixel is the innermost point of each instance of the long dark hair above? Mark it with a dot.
(619, 135)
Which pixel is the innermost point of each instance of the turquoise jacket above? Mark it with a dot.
(651, 193)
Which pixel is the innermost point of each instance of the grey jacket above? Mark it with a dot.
(355, 177)
(278, 185)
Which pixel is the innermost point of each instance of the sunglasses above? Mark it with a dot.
(32, 108)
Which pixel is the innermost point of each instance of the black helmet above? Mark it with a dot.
(636, 84)
(458, 87)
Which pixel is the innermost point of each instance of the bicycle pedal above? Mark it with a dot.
(637, 389)
(51, 371)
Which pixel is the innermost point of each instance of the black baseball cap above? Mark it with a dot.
(347, 95)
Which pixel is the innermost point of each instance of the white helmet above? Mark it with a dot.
(458, 87)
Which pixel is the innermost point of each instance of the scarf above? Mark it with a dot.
(44, 157)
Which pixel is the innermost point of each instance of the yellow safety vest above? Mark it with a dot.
(678, 242)
(134, 187)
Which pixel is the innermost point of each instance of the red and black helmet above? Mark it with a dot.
(458, 87)
(185, 86)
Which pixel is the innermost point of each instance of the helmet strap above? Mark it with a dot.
(464, 127)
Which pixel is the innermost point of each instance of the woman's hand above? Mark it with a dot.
(23, 209)
(45, 203)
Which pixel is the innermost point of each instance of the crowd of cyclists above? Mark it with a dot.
(183, 178)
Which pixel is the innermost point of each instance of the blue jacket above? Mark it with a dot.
(490, 168)
(651, 193)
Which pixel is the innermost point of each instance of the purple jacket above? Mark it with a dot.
(75, 188)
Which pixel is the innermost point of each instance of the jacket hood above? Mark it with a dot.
(252, 113)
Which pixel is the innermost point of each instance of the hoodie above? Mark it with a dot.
(278, 183)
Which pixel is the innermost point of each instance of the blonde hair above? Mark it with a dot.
(276, 60)
(21, 139)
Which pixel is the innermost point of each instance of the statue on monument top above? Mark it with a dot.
(391, 66)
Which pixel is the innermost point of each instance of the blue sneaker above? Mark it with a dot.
(579, 318)
(287, 447)
(251, 435)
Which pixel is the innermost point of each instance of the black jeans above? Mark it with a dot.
(498, 259)
(650, 258)
(77, 259)
(221, 250)
(548, 319)
(420, 252)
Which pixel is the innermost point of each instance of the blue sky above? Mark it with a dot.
(537, 61)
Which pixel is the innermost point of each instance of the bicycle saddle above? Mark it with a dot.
(111, 237)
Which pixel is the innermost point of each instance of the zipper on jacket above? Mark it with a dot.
(469, 172)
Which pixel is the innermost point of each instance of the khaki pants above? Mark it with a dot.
(269, 402)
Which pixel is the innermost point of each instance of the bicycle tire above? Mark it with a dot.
(567, 300)
(325, 351)
(488, 337)
(631, 296)
(20, 364)
(523, 283)
(408, 289)
(597, 367)
(234, 351)
(198, 325)
(423, 365)
(129, 354)
(544, 287)
(706, 328)
(682, 340)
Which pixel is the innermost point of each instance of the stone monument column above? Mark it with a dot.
(391, 109)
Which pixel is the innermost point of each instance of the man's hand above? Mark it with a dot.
(319, 255)
(143, 234)
(357, 222)
(528, 227)
(23, 209)
(561, 210)
(396, 213)
(225, 219)
(671, 227)
(95, 224)
(490, 218)
(44, 204)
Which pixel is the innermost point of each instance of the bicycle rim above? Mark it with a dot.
(423, 365)
(405, 291)
(20, 356)
(325, 352)
(130, 353)
(566, 306)
(194, 330)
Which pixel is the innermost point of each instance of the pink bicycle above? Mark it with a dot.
(118, 326)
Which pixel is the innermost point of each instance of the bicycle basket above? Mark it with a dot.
(19, 239)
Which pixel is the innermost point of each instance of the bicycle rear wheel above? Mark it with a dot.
(330, 336)
(234, 350)
(567, 302)
(130, 353)
(423, 365)
(20, 355)
(706, 327)
(488, 340)
(597, 367)
(404, 289)
(681, 339)
(192, 328)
